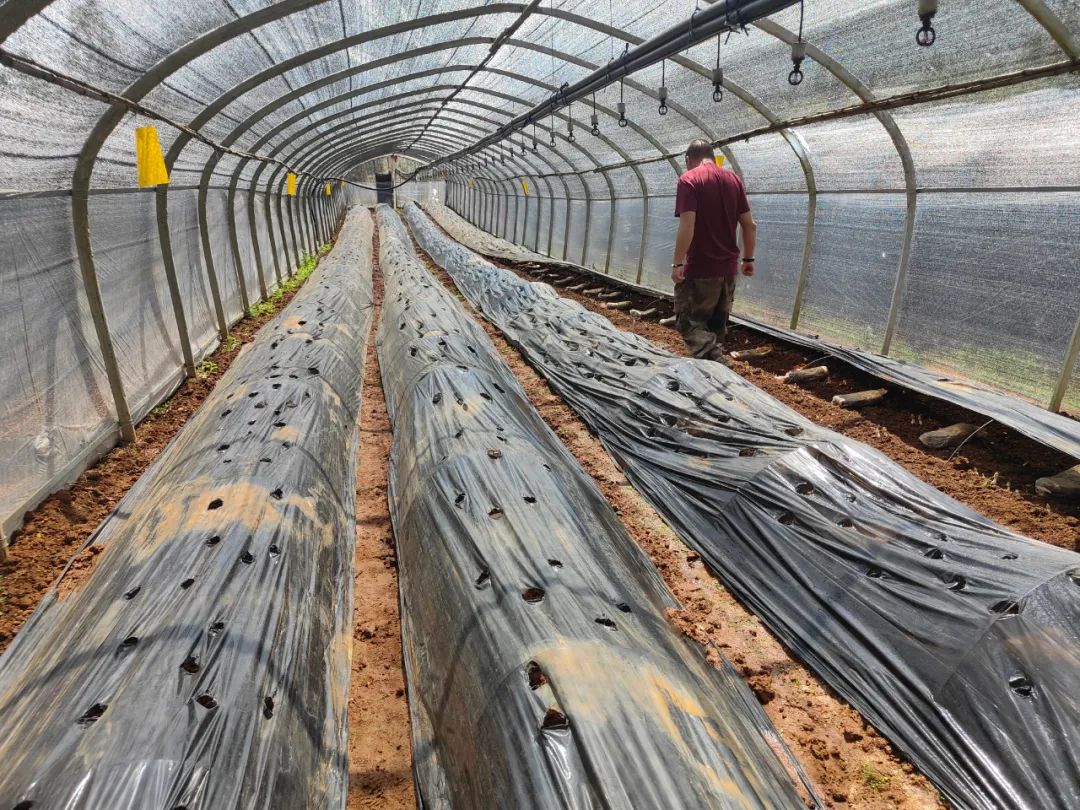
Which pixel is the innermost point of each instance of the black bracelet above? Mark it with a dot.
(748, 261)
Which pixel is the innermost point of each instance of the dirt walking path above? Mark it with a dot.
(380, 752)
(850, 764)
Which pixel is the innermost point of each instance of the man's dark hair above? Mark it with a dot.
(699, 150)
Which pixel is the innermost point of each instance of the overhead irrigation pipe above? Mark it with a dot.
(731, 15)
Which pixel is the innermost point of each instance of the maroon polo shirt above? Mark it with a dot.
(718, 197)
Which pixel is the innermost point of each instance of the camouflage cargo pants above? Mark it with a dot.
(702, 307)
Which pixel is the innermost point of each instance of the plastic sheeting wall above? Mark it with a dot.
(58, 413)
(955, 637)
(54, 398)
(326, 88)
(204, 660)
(966, 305)
(542, 669)
(994, 204)
(423, 192)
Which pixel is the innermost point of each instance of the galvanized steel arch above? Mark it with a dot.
(14, 13)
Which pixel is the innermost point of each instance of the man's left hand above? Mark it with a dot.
(678, 273)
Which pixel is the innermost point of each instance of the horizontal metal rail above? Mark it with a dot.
(939, 93)
(728, 16)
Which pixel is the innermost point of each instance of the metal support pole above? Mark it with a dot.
(644, 224)
(303, 215)
(165, 238)
(490, 211)
(551, 217)
(517, 203)
(288, 236)
(256, 248)
(811, 217)
(298, 247)
(1071, 356)
(81, 224)
(566, 224)
(525, 223)
(588, 225)
(901, 273)
(536, 235)
(268, 210)
(504, 207)
(804, 270)
(610, 235)
(644, 238)
(208, 254)
(234, 243)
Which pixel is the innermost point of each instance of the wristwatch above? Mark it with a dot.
(680, 264)
(748, 261)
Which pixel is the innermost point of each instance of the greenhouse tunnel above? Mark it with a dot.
(167, 169)
(903, 207)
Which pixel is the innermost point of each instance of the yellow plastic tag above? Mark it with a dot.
(290, 184)
(472, 183)
(525, 185)
(719, 160)
(329, 189)
(148, 158)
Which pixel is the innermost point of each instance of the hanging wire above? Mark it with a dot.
(534, 144)
(595, 121)
(798, 52)
(662, 90)
(554, 74)
(611, 40)
(926, 35)
(621, 106)
(718, 76)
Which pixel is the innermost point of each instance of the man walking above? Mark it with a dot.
(710, 203)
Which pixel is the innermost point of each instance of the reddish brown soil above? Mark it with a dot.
(61, 524)
(380, 752)
(994, 473)
(850, 764)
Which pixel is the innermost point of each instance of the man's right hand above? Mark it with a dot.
(678, 273)
(748, 268)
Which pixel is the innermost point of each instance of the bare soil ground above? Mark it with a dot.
(61, 524)
(994, 473)
(850, 764)
(380, 752)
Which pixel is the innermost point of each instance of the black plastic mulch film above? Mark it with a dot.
(1027, 418)
(542, 670)
(957, 638)
(204, 663)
